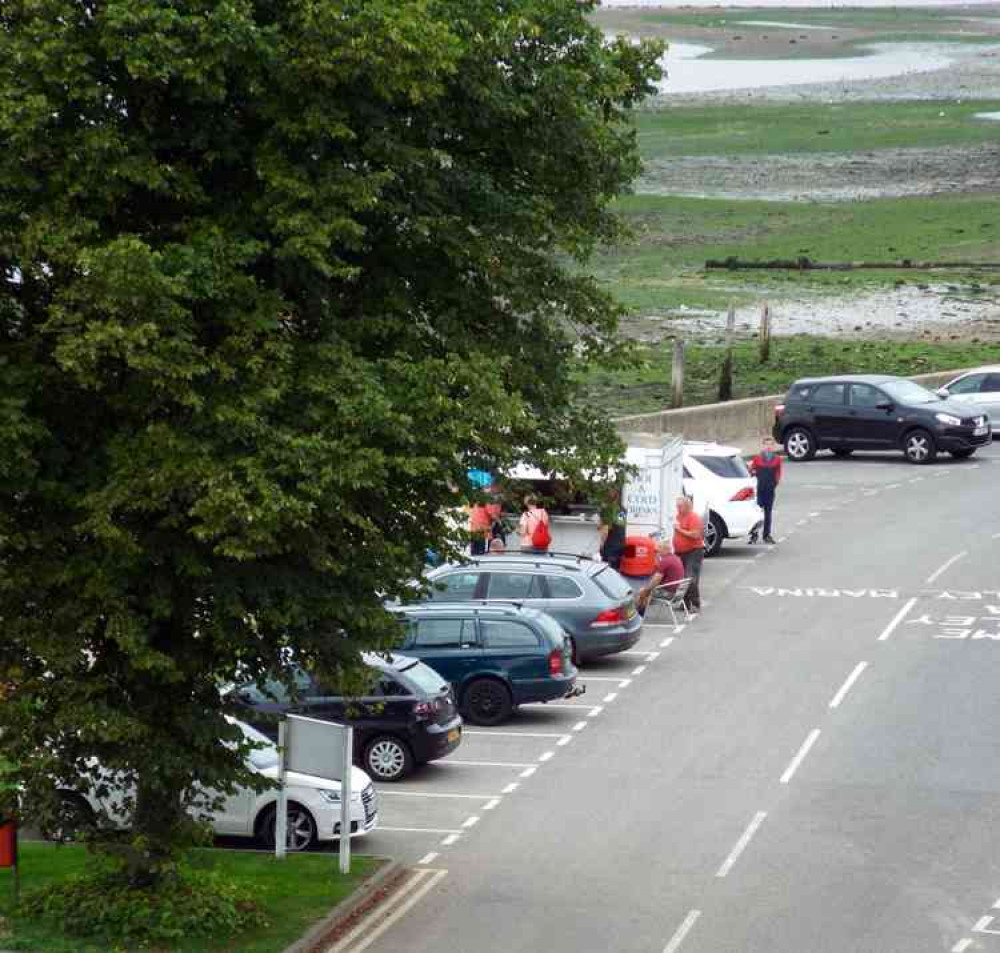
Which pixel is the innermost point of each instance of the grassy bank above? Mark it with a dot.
(644, 385)
(293, 894)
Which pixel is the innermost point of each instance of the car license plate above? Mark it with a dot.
(981, 431)
(454, 734)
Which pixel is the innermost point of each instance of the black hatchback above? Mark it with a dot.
(875, 412)
(409, 717)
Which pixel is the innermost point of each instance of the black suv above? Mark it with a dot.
(875, 412)
(408, 718)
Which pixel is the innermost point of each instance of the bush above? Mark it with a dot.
(192, 903)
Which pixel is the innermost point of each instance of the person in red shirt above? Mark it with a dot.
(479, 528)
(669, 571)
(689, 544)
(766, 467)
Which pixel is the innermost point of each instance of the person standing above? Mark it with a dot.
(766, 467)
(479, 528)
(689, 545)
(611, 531)
(530, 528)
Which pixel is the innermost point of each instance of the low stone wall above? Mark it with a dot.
(734, 421)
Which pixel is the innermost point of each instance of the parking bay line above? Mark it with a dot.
(418, 830)
(800, 756)
(622, 682)
(682, 931)
(387, 792)
(846, 687)
(945, 566)
(897, 618)
(490, 764)
(741, 844)
(516, 734)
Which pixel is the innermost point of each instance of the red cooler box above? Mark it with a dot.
(8, 844)
(639, 558)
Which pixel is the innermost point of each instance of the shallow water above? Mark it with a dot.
(689, 72)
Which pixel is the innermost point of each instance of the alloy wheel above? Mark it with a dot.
(918, 448)
(798, 445)
(386, 759)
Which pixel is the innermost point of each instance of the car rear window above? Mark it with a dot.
(611, 584)
(423, 677)
(731, 467)
(551, 628)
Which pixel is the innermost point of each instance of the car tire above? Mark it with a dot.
(715, 533)
(919, 447)
(388, 758)
(963, 454)
(800, 445)
(302, 832)
(843, 451)
(75, 817)
(486, 702)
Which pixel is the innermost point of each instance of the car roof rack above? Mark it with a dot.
(528, 557)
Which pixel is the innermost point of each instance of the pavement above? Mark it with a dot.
(810, 766)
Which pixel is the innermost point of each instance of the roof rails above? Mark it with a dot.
(528, 556)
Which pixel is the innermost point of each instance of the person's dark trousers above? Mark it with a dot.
(692, 569)
(478, 547)
(767, 505)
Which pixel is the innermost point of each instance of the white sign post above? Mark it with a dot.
(323, 749)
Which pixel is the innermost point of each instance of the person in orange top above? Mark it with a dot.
(689, 544)
(480, 522)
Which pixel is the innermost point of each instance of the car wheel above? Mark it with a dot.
(301, 830)
(843, 451)
(918, 447)
(800, 444)
(963, 454)
(74, 817)
(715, 533)
(486, 702)
(388, 759)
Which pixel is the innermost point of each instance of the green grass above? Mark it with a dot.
(294, 894)
(644, 385)
(818, 127)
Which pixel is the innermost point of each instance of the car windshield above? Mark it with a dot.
(906, 392)
(423, 677)
(730, 468)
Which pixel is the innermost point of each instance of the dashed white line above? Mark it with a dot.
(802, 522)
(897, 618)
(666, 641)
(545, 756)
(471, 821)
(563, 741)
(947, 564)
(846, 687)
(682, 931)
(982, 926)
(389, 792)
(429, 858)
(594, 712)
(560, 707)
(741, 844)
(893, 486)
(638, 670)
(962, 945)
(781, 539)
(528, 772)
(448, 841)
(489, 805)
(514, 734)
(800, 756)
(814, 515)
(579, 726)
(511, 788)
(610, 697)
(489, 764)
(418, 830)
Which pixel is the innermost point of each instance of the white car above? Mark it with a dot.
(724, 494)
(979, 387)
(313, 803)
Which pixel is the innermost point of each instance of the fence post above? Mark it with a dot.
(726, 376)
(677, 375)
(765, 333)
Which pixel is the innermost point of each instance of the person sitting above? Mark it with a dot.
(669, 571)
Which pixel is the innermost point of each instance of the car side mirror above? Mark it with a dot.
(942, 392)
(884, 405)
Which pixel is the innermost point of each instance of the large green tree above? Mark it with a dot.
(273, 274)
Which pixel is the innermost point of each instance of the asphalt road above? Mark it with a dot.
(811, 766)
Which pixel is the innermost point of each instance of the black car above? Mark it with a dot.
(875, 412)
(409, 718)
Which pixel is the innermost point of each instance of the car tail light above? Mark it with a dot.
(745, 494)
(556, 662)
(779, 409)
(610, 617)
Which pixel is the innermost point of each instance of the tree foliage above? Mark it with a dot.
(272, 276)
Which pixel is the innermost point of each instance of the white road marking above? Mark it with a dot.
(471, 821)
(606, 678)
(682, 931)
(420, 885)
(945, 566)
(645, 653)
(489, 764)
(515, 734)
(489, 805)
(800, 756)
(638, 670)
(451, 839)
(658, 625)
(996, 536)
(546, 756)
(962, 945)
(897, 618)
(563, 741)
(781, 539)
(893, 486)
(917, 480)
(511, 788)
(731, 561)
(429, 858)
(390, 792)
(814, 515)
(568, 708)
(802, 522)
(982, 926)
(528, 772)
(741, 844)
(666, 642)
(579, 726)
(418, 830)
(610, 697)
(594, 712)
(996, 904)
(846, 687)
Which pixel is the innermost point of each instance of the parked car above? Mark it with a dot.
(495, 656)
(409, 716)
(313, 804)
(876, 412)
(978, 389)
(724, 493)
(593, 603)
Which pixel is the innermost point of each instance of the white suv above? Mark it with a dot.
(724, 493)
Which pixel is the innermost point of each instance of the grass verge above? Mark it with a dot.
(644, 385)
(293, 894)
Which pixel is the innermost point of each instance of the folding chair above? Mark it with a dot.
(672, 596)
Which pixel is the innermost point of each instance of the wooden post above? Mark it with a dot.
(726, 375)
(765, 333)
(677, 375)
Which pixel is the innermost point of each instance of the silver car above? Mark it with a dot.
(979, 387)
